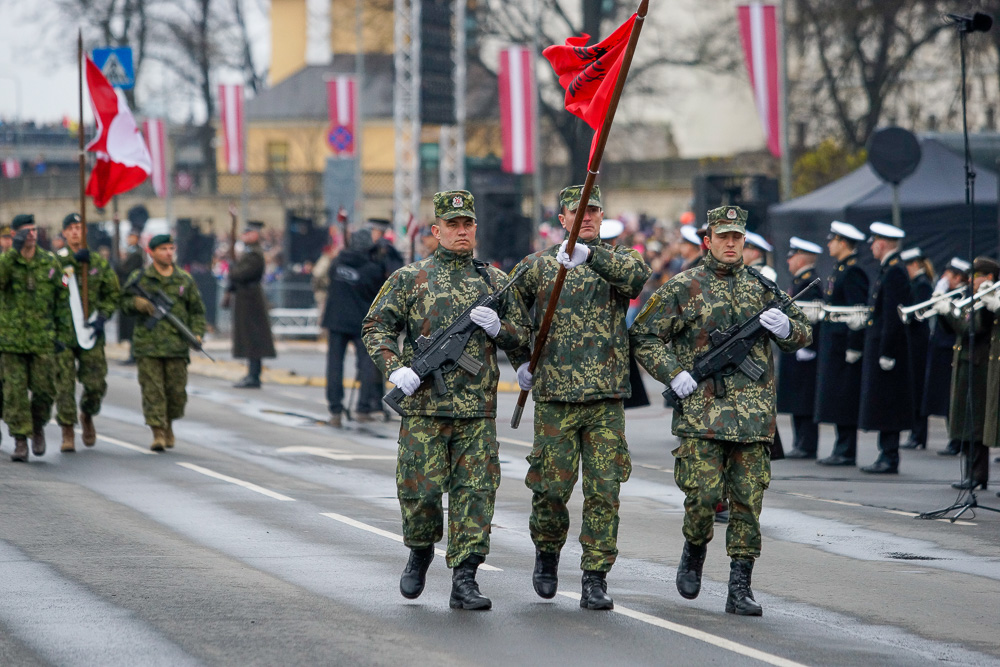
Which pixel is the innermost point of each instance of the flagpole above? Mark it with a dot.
(592, 171)
(83, 200)
(245, 198)
(786, 158)
(537, 177)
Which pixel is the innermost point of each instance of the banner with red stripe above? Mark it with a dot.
(155, 131)
(341, 95)
(759, 34)
(517, 109)
(231, 115)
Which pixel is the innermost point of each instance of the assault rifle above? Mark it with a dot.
(161, 305)
(445, 349)
(729, 351)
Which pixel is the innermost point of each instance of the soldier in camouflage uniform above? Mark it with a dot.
(578, 387)
(161, 353)
(724, 437)
(447, 443)
(89, 366)
(34, 319)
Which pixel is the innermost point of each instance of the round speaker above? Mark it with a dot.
(893, 154)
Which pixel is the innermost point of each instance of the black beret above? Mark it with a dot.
(380, 223)
(159, 240)
(254, 226)
(22, 219)
(71, 219)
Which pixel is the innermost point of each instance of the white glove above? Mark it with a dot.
(991, 301)
(805, 354)
(580, 255)
(852, 356)
(943, 307)
(683, 384)
(487, 318)
(942, 286)
(524, 378)
(886, 364)
(405, 379)
(776, 322)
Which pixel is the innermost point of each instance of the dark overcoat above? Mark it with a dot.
(937, 373)
(960, 426)
(991, 436)
(252, 337)
(918, 334)
(797, 379)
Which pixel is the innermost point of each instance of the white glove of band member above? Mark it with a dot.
(943, 307)
(405, 379)
(886, 364)
(852, 356)
(524, 378)
(776, 322)
(683, 384)
(942, 286)
(580, 255)
(487, 318)
(805, 354)
(991, 301)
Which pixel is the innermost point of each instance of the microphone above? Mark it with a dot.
(978, 22)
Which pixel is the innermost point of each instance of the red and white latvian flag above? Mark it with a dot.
(589, 73)
(517, 110)
(231, 114)
(341, 96)
(156, 137)
(123, 160)
(11, 167)
(759, 34)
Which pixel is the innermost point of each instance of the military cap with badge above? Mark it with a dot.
(727, 219)
(570, 197)
(452, 204)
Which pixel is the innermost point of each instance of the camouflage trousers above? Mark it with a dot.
(24, 374)
(567, 434)
(91, 369)
(454, 456)
(163, 381)
(709, 470)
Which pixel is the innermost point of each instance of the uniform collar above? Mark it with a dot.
(722, 269)
(889, 256)
(449, 257)
(804, 269)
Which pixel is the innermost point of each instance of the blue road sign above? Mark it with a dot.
(116, 65)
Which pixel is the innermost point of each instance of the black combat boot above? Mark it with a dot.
(595, 591)
(38, 442)
(740, 600)
(464, 589)
(411, 584)
(545, 578)
(689, 570)
(20, 449)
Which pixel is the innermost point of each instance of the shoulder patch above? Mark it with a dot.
(63, 252)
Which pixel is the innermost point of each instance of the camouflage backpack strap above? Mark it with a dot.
(768, 284)
(481, 268)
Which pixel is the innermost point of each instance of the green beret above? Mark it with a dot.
(570, 197)
(159, 240)
(22, 219)
(728, 219)
(5, 230)
(70, 219)
(453, 204)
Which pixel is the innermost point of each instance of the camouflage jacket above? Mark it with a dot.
(34, 303)
(674, 327)
(429, 295)
(103, 292)
(163, 340)
(585, 357)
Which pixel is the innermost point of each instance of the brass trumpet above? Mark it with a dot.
(976, 300)
(924, 310)
(855, 317)
(813, 310)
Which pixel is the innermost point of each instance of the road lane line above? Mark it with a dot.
(700, 635)
(824, 500)
(335, 454)
(122, 443)
(957, 522)
(512, 441)
(232, 480)
(385, 533)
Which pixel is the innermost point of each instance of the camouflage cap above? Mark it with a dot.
(453, 204)
(570, 197)
(728, 219)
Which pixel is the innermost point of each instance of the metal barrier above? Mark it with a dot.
(298, 322)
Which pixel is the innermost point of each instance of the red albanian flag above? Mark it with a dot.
(123, 160)
(589, 73)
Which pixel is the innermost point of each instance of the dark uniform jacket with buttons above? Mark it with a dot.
(838, 383)
(919, 334)
(964, 362)
(937, 373)
(797, 379)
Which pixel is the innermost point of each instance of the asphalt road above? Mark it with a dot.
(267, 538)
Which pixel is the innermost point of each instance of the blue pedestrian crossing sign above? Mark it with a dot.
(116, 65)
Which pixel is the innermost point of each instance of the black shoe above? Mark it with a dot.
(881, 467)
(968, 484)
(595, 591)
(689, 570)
(411, 584)
(913, 444)
(249, 382)
(464, 589)
(836, 460)
(950, 451)
(545, 578)
(740, 600)
(796, 453)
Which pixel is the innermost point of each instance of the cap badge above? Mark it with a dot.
(731, 214)
(457, 202)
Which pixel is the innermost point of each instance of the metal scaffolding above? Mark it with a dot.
(406, 112)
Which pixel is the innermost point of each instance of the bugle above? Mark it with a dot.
(976, 300)
(813, 310)
(855, 317)
(924, 310)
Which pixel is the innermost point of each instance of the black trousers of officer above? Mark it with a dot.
(847, 441)
(806, 433)
(888, 445)
(370, 395)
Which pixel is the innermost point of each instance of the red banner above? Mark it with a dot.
(231, 115)
(759, 34)
(517, 110)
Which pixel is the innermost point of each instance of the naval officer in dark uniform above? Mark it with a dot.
(918, 332)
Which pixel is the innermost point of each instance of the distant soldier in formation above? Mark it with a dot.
(937, 375)
(918, 332)
(134, 259)
(6, 238)
(252, 339)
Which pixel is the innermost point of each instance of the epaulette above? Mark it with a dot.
(852, 261)
(894, 261)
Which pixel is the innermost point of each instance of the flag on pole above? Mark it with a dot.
(231, 114)
(123, 160)
(589, 73)
(341, 95)
(517, 109)
(11, 167)
(759, 34)
(156, 139)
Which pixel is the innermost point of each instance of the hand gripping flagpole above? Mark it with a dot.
(592, 171)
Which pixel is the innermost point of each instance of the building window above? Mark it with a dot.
(277, 156)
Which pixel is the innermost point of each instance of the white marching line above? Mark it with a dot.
(122, 443)
(700, 635)
(232, 480)
(392, 536)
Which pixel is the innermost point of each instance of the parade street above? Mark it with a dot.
(266, 537)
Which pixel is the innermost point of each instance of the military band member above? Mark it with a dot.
(447, 443)
(690, 248)
(918, 332)
(725, 438)
(941, 347)
(75, 363)
(34, 319)
(991, 428)
(755, 251)
(252, 339)
(797, 371)
(578, 387)
(838, 374)
(161, 353)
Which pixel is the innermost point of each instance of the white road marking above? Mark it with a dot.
(385, 533)
(512, 441)
(657, 468)
(825, 500)
(122, 443)
(335, 454)
(700, 635)
(238, 482)
(914, 514)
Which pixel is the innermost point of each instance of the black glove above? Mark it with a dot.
(60, 346)
(82, 256)
(20, 238)
(98, 324)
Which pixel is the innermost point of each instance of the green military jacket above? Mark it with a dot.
(427, 296)
(991, 437)
(163, 340)
(674, 328)
(103, 292)
(34, 303)
(585, 357)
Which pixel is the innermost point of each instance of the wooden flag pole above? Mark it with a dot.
(595, 163)
(85, 269)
